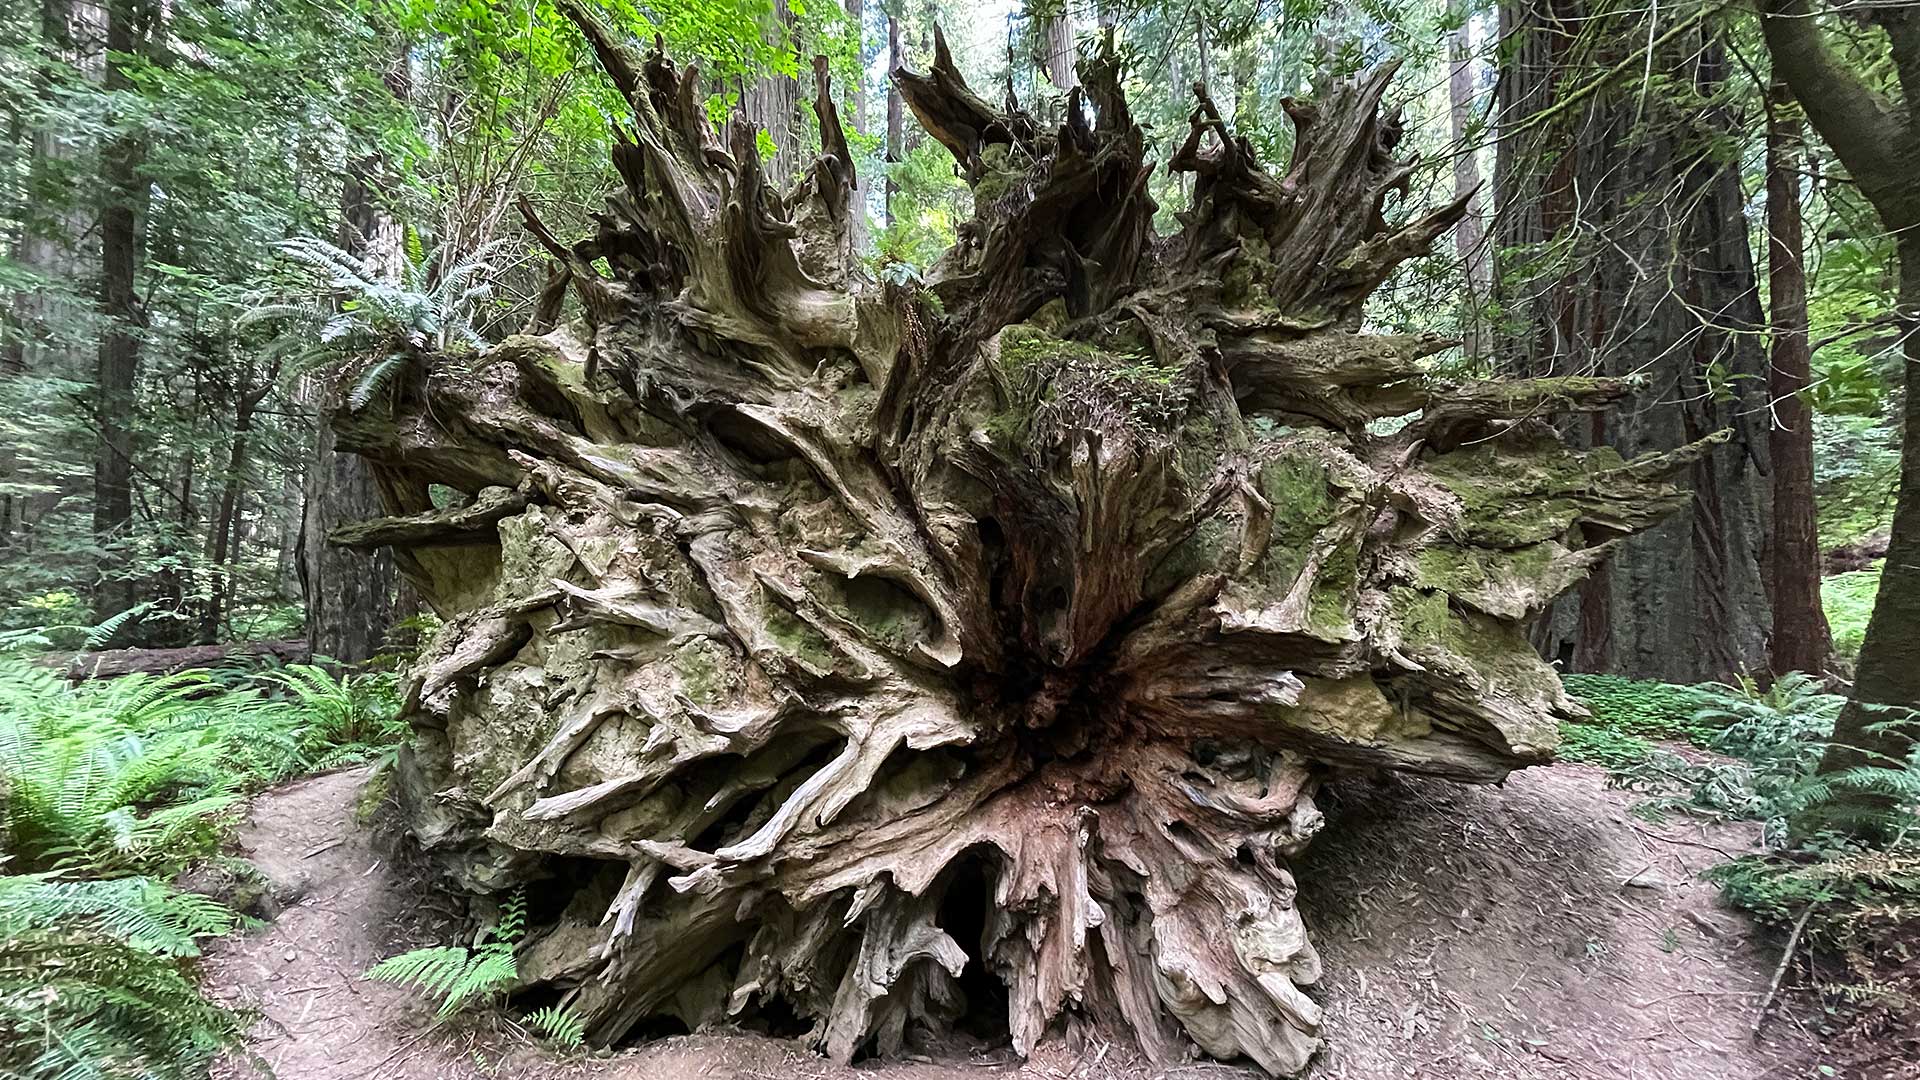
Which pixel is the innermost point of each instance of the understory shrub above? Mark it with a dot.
(1626, 716)
(1591, 744)
(109, 790)
(1848, 601)
(1764, 745)
(1653, 710)
(93, 982)
(1859, 902)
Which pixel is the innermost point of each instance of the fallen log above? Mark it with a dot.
(113, 663)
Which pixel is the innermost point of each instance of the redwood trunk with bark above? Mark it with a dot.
(1800, 641)
(223, 552)
(1053, 42)
(772, 102)
(1687, 602)
(896, 115)
(1470, 236)
(857, 112)
(349, 596)
(1878, 140)
(830, 650)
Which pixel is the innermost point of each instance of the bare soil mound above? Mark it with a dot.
(1530, 931)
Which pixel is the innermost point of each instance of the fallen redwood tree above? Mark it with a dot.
(850, 658)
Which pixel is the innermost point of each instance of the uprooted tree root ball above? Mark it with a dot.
(852, 659)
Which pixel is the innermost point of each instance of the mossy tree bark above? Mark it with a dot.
(864, 655)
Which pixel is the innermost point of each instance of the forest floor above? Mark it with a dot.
(1526, 932)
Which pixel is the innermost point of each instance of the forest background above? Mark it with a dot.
(208, 206)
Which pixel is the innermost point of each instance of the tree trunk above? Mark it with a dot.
(223, 553)
(54, 230)
(119, 357)
(896, 113)
(772, 104)
(1800, 640)
(1532, 179)
(1886, 685)
(349, 595)
(1053, 38)
(1879, 143)
(868, 655)
(1206, 50)
(113, 663)
(52, 245)
(1470, 236)
(1688, 601)
(857, 115)
(289, 508)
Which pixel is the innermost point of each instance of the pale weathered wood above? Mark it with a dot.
(842, 647)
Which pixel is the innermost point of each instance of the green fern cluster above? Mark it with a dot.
(137, 775)
(1767, 743)
(344, 718)
(54, 635)
(139, 911)
(128, 781)
(458, 976)
(1782, 728)
(92, 983)
(1780, 736)
(97, 779)
(347, 309)
(1859, 901)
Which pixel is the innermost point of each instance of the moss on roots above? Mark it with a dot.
(822, 649)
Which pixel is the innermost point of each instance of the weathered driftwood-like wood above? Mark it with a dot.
(473, 522)
(849, 651)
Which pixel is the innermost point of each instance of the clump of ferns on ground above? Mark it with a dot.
(460, 978)
(108, 791)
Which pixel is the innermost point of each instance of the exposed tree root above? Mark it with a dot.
(795, 618)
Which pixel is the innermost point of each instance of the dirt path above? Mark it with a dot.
(1534, 931)
(1531, 932)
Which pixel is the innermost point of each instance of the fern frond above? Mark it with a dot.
(377, 376)
(433, 969)
(562, 1026)
(139, 911)
(456, 976)
(490, 972)
(102, 632)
